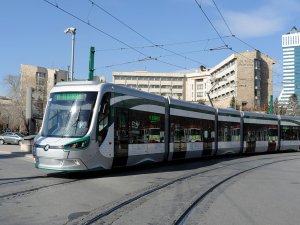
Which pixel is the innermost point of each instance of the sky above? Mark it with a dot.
(133, 35)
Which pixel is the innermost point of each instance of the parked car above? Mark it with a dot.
(11, 138)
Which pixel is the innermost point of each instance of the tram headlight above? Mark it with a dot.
(78, 144)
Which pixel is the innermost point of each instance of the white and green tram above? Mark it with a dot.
(96, 126)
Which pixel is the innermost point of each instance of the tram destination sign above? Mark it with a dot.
(70, 96)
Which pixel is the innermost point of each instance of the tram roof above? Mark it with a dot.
(285, 117)
(77, 82)
(229, 111)
(109, 87)
(191, 105)
(260, 115)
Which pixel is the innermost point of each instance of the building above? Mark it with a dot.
(197, 85)
(165, 84)
(245, 77)
(291, 65)
(40, 80)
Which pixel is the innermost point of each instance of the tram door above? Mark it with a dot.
(180, 145)
(121, 138)
(208, 138)
(250, 138)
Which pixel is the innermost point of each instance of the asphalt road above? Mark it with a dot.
(260, 189)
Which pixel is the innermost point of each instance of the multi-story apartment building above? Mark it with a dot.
(247, 77)
(197, 85)
(165, 84)
(291, 65)
(40, 80)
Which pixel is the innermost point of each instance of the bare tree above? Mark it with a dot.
(232, 102)
(16, 117)
(293, 104)
(202, 102)
(278, 108)
(13, 83)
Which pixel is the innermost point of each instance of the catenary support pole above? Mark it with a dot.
(91, 64)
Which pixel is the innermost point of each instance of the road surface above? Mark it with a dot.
(260, 189)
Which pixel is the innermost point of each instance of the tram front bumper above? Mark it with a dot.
(56, 159)
(59, 164)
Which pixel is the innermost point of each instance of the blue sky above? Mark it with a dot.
(32, 32)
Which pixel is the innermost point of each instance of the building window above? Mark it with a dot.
(200, 94)
(257, 64)
(199, 86)
(40, 78)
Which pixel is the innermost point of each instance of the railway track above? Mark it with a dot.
(99, 216)
(32, 190)
(185, 214)
(58, 179)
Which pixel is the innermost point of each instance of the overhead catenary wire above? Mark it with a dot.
(111, 36)
(143, 36)
(124, 63)
(208, 19)
(235, 36)
(150, 58)
(94, 27)
(223, 18)
(230, 48)
(162, 45)
(120, 41)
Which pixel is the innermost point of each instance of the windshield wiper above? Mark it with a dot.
(65, 130)
(76, 121)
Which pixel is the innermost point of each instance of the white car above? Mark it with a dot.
(11, 138)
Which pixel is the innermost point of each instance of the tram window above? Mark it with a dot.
(290, 133)
(228, 131)
(179, 135)
(257, 132)
(145, 127)
(103, 118)
(121, 125)
(103, 123)
(185, 129)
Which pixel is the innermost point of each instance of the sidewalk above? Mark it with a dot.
(13, 149)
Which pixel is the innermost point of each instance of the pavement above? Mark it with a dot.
(7, 149)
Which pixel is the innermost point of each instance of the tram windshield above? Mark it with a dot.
(68, 114)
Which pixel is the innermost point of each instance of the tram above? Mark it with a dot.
(98, 126)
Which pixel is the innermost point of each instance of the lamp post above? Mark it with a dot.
(72, 31)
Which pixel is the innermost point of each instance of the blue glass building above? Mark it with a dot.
(291, 65)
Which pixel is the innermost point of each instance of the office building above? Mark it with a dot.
(165, 84)
(246, 77)
(291, 65)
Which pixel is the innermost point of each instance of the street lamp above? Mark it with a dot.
(72, 31)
